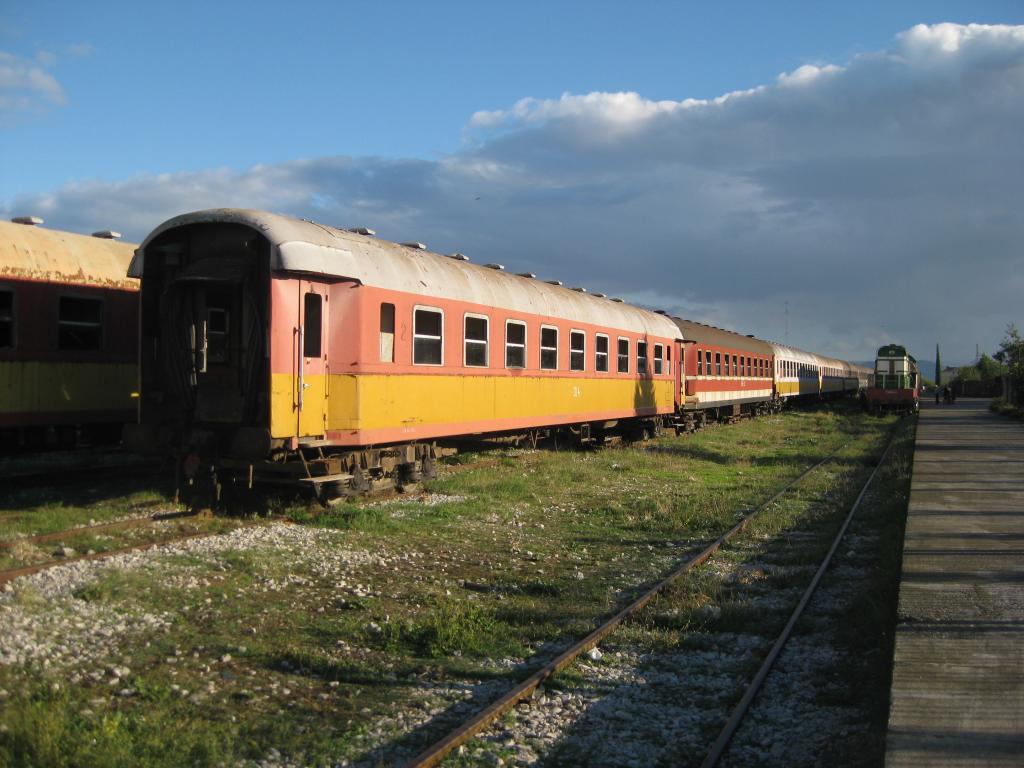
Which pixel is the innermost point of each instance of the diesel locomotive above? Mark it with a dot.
(895, 383)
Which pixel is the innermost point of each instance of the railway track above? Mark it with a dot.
(11, 574)
(475, 725)
(68, 533)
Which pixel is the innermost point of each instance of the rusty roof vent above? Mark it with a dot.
(598, 294)
(414, 245)
(107, 234)
(578, 289)
(30, 220)
(617, 301)
(458, 256)
(553, 282)
(363, 231)
(499, 267)
(527, 274)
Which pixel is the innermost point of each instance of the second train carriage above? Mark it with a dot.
(726, 373)
(68, 320)
(278, 346)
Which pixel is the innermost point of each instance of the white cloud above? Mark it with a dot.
(79, 50)
(27, 85)
(878, 197)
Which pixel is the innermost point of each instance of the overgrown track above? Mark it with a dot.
(738, 713)
(434, 754)
(14, 573)
(89, 529)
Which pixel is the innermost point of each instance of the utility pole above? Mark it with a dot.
(786, 341)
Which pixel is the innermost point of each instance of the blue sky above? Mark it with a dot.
(164, 87)
(557, 135)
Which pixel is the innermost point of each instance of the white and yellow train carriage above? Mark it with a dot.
(804, 374)
(797, 373)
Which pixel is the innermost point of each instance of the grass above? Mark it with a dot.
(1003, 408)
(519, 552)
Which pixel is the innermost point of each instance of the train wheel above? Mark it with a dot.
(429, 468)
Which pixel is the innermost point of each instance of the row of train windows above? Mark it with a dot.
(79, 323)
(734, 365)
(793, 368)
(428, 344)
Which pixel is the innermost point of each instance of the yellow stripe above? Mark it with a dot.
(387, 402)
(27, 387)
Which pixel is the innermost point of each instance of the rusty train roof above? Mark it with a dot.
(307, 247)
(34, 253)
(709, 334)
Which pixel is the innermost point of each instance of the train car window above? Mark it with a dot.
(548, 348)
(735, 367)
(79, 324)
(218, 329)
(601, 353)
(641, 357)
(515, 344)
(312, 325)
(623, 361)
(718, 363)
(387, 333)
(659, 352)
(577, 350)
(6, 319)
(427, 337)
(476, 341)
(700, 363)
(707, 362)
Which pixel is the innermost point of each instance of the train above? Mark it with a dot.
(895, 383)
(68, 343)
(280, 350)
(728, 374)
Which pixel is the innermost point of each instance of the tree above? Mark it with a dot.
(1011, 352)
(988, 368)
(938, 367)
(1011, 355)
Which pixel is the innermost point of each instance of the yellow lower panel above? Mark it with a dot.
(382, 402)
(30, 387)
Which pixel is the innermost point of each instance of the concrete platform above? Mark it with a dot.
(958, 680)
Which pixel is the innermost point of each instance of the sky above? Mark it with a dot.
(840, 176)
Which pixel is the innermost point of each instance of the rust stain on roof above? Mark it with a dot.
(35, 253)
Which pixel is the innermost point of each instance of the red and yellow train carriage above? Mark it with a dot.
(68, 319)
(273, 346)
(726, 373)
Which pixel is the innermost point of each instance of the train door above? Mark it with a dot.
(311, 362)
(680, 375)
(208, 311)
